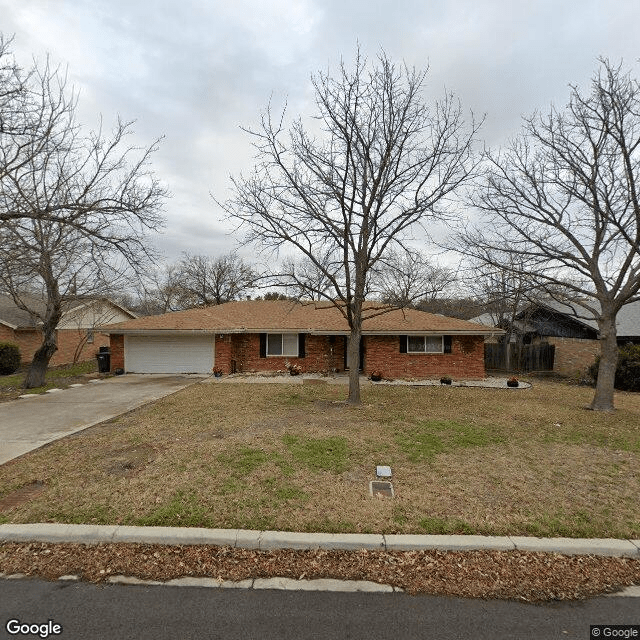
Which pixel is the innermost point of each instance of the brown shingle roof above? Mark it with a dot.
(256, 316)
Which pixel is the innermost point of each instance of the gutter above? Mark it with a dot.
(313, 332)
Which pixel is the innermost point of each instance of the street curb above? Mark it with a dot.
(269, 540)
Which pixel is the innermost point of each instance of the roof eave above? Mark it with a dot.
(157, 332)
(316, 332)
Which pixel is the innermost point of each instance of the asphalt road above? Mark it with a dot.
(30, 423)
(97, 612)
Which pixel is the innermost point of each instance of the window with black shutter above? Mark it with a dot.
(280, 344)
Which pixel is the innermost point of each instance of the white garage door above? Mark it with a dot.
(169, 354)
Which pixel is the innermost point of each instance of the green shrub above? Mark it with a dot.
(628, 369)
(9, 358)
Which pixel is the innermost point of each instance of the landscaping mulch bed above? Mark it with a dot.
(509, 575)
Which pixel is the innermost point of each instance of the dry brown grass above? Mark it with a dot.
(465, 460)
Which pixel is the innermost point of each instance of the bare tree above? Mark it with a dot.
(204, 280)
(157, 291)
(86, 317)
(563, 198)
(312, 279)
(30, 110)
(409, 278)
(505, 294)
(455, 307)
(194, 280)
(45, 265)
(276, 295)
(383, 162)
(106, 191)
(74, 207)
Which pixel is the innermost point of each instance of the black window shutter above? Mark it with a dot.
(301, 353)
(447, 344)
(263, 345)
(403, 344)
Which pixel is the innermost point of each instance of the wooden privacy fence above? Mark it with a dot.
(522, 357)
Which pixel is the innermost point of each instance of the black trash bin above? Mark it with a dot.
(104, 360)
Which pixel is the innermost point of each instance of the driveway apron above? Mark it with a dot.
(30, 423)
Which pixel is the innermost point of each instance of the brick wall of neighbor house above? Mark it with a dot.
(241, 353)
(466, 360)
(29, 341)
(117, 352)
(573, 355)
(7, 334)
(70, 339)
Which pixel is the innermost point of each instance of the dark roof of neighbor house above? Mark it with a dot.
(16, 318)
(627, 321)
(263, 316)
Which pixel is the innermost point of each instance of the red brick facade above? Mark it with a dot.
(466, 360)
(68, 340)
(241, 353)
(117, 352)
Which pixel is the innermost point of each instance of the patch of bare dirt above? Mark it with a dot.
(509, 575)
(128, 461)
(23, 494)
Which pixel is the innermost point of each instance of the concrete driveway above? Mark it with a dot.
(29, 423)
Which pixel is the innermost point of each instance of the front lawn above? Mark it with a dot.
(464, 460)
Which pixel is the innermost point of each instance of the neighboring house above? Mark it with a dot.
(572, 329)
(76, 336)
(262, 335)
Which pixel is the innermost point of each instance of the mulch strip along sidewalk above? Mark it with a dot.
(510, 575)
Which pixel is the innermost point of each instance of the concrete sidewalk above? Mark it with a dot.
(247, 539)
(34, 421)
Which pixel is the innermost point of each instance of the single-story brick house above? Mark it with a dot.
(76, 336)
(256, 335)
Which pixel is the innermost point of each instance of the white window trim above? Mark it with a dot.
(282, 355)
(423, 351)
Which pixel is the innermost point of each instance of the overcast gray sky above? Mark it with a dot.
(196, 70)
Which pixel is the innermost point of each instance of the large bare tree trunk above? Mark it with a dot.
(353, 357)
(603, 399)
(40, 363)
(507, 351)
